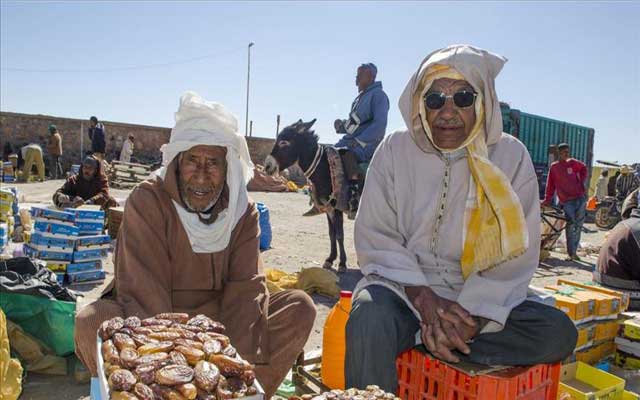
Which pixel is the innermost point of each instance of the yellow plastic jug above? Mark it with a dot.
(334, 342)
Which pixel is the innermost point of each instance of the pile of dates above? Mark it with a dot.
(372, 392)
(172, 357)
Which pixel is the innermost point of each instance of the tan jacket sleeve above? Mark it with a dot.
(142, 263)
(245, 301)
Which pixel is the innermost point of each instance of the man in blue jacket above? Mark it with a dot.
(97, 136)
(365, 127)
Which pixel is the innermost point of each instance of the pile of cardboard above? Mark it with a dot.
(9, 211)
(60, 238)
(127, 175)
(628, 342)
(8, 172)
(595, 311)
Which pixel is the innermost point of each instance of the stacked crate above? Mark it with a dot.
(628, 343)
(4, 236)
(88, 219)
(53, 239)
(127, 175)
(8, 172)
(88, 256)
(595, 312)
(9, 209)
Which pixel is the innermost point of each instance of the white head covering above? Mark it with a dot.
(200, 122)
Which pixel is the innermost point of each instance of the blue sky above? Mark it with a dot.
(573, 61)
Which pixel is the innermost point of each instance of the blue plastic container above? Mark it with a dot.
(265, 227)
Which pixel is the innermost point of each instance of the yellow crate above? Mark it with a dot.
(624, 297)
(586, 335)
(581, 381)
(606, 330)
(604, 305)
(576, 309)
(627, 395)
(631, 329)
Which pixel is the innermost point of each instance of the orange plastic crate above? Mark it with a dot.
(423, 378)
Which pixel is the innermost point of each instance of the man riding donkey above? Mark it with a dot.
(448, 233)
(363, 131)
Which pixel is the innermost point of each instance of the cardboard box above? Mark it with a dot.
(58, 266)
(579, 311)
(89, 255)
(89, 226)
(87, 213)
(48, 228)
(624, 297)
(606, 330)
(46, 255)
(94, 241)
(586, 335)
(84, 266)
(38, 239)
(39, 212)
(85, 276)
(631, 329)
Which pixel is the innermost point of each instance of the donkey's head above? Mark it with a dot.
(294, 142)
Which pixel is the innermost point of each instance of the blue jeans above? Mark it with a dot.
(574, 210)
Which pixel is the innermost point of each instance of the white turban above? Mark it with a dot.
(201, 122)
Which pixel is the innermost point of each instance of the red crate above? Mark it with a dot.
(423, 378)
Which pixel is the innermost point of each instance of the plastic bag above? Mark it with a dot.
(50, 321)
(319, 280)
(10, 368)
(37, 357)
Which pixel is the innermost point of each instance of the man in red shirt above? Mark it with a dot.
(567, 178)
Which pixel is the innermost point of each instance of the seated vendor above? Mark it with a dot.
(619, 259)
(448, 233)
(189, 242)
(88, 186)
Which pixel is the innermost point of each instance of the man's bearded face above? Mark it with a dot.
(450, 125)
(88, 171)
(202, 175)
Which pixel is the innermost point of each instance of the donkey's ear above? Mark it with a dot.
(303, 127)
(310, 123)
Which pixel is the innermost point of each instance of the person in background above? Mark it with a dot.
(601, 185)
(32, 156)
(54, 148)
(88, 186)
(611, 185)
(567, 178)
(626, 183)
(127, 149)
(619, 258)
(97, 135)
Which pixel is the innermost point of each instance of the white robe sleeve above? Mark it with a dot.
(379, 244)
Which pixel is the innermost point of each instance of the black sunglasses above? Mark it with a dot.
(462, 99)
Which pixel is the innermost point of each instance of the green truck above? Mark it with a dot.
(541, 134)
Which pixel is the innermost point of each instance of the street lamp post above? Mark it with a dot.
(246, 117)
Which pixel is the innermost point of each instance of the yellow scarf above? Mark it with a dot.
(495, 228)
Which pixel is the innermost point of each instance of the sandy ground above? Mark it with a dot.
(297, 243)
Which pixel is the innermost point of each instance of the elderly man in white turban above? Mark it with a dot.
(447, 234)
(189, 242)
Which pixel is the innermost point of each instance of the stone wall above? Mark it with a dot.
(19, 129)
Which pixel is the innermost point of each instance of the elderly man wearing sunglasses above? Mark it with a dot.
(447, 234)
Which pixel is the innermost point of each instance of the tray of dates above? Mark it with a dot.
(372, 392)
(171, 357)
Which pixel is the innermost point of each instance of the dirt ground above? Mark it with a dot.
(297, 243)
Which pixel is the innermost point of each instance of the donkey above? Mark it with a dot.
(298, 144)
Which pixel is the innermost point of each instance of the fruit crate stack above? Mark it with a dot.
(595, 311)
(628, 342)
(127, 175)
(8, 172)
(9, 209)
(89, 219)
(53, 239)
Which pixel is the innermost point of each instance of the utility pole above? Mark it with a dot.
(250, 128)
(277, 125)
(246, 116)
